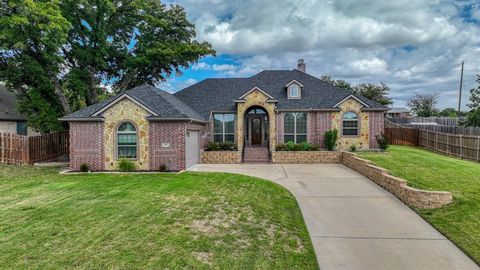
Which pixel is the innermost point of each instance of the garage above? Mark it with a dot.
(192, 148)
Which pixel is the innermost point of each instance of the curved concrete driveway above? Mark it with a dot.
(355, 224)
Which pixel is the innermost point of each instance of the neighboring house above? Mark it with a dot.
(398, 113)
(11, 121)
(153, 127)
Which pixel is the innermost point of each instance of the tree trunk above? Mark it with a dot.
(61, 96)
(92, 95)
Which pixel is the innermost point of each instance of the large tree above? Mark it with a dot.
(473, 116)
(424, 105)
(338, 83)
(57, 56)
(378, 92)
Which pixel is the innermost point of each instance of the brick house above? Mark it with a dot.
(153, 127)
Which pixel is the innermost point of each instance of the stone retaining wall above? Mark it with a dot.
(398, 187)
(306, 157)
(221, 157)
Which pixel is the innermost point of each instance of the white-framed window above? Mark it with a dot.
(223, 127)
(350, 124)
(295, 127)
(294, 91)
(127, 141)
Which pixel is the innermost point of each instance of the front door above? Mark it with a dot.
(256, 131)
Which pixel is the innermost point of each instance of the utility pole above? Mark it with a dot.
(460, 92)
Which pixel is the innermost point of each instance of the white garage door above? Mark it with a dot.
(192, 149)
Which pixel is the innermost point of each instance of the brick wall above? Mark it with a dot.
(173, 156)
(280, 127)
(306, 157)
(396, 186)
(87, 145)
(376, 127)
(323, 123)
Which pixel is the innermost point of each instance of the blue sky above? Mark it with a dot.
(412, 45)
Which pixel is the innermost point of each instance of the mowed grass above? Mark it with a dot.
(148, 221)
(459, 221)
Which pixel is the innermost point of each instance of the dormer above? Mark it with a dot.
(294, 90)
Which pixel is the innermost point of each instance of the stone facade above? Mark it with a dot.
(307, 157)
(255, 98)
(362, 140)
(126, 111)
(87, 145)
(396, 186)
(221, 157)
(167, 133)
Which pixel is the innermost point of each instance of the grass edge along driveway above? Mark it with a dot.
(145, 221)
(459, 221)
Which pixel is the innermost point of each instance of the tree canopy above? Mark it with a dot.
(473, 116)
(58, 56)
(378, 92)
(338, 83)
(424, 105)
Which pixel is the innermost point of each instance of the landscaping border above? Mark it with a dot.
(306, 157)
(397, 186)
(221, 157)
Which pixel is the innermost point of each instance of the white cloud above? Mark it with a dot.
(349, 39)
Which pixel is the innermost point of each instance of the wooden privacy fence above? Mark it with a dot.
(459, 145)
(18, 149)
(462, 146)
(402, 136)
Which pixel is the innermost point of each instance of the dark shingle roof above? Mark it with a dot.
(218, 94)
(164, 104)
(8, 106)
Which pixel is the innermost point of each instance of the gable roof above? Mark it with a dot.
(161, 104)
(8, 106)
(217, 95)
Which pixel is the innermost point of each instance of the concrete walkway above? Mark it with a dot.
(355, 224)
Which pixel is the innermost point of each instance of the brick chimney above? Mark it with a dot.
(301, 66)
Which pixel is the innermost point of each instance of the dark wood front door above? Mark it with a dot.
(256, 131)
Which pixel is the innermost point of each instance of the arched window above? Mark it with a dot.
(350, 124)
(126, 141)
(293, 91)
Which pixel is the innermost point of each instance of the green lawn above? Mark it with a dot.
(459, 221)
(148, 221)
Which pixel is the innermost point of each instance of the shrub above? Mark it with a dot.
(163, 168)
(330, 139)
(126, 165)
(382, 141)
(212, 146)
(353, 147)
(290, 146)
(223, 146)
(228, 146)
(84, 167)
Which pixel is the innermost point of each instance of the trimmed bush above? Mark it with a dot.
(126, 165)
(382, 141)
(84, 167)
(353, 147)
(330, 139)
(291, 146)
(221, 146)
(163, 168)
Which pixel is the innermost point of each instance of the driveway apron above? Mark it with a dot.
(354, 223)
